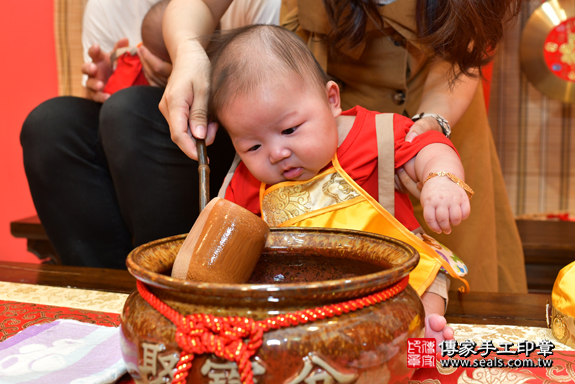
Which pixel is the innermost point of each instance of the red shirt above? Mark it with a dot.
(357, 155)
(128, 73)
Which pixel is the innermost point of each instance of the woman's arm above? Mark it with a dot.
(441, 98)
(185, 99)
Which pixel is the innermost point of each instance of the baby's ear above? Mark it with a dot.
(333, 97)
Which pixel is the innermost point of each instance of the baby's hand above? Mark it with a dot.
(444, 204)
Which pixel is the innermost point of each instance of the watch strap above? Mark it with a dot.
(444, 124)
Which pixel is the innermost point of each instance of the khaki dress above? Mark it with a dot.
(387, 74)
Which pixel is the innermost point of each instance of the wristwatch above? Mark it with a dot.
(444, 124)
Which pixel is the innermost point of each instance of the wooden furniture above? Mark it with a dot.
(31, 229)
(548, 246)
(68, 40)
(472, 308)
(98, 279)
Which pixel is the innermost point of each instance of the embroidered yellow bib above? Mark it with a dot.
(332, 199)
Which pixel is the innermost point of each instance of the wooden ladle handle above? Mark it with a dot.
(204, 173)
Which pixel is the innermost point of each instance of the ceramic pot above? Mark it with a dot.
(300, 268)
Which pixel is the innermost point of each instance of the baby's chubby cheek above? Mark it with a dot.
(263, 172)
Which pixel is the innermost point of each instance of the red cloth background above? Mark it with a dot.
(15, 316)
(561, 371)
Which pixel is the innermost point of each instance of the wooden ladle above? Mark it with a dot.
(226, 240)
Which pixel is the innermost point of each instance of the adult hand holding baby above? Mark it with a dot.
(156, 70)
(421, 126)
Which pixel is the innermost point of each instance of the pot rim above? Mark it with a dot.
(365, 283)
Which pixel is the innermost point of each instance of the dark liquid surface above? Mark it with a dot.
(277, 269)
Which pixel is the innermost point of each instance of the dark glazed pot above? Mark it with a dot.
(300, 268)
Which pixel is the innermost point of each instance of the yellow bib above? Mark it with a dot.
(332, 199)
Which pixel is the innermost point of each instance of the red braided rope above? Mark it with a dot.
(224, 336)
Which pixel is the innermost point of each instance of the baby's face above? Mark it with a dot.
(285, 130)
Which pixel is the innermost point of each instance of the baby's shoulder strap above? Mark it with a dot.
(230, 174)
(385, 161)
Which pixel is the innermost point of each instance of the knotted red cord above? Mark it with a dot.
(224, 336)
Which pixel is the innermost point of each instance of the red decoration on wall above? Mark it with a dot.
(559, 50)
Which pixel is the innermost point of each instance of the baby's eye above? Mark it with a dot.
(254, 148)
(289, 131)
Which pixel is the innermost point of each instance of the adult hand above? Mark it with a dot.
(99, 71)
(185, 101)
(155, 69)
(421, 126)
(405, 184)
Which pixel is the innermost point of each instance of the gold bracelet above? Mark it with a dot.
(453, 178)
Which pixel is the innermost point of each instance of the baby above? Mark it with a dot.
(305, 162)
(152, 37)
(128, 66)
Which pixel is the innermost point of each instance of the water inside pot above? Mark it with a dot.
(300, 268)
(306, 263)
(297, 268)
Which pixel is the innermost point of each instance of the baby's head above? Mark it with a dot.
(275, 101)
(152, 36)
